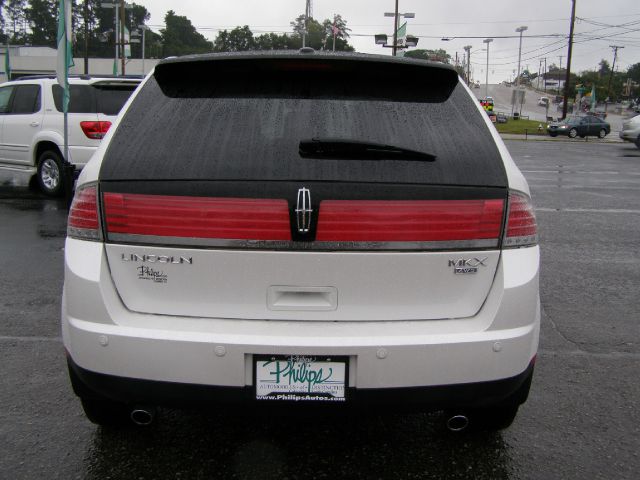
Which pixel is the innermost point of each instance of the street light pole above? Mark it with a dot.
(468, 50)
(486, 84)
(144, 28)
(410, 40)
(116, 32)
(519, 30)
(395, 31)
(568, 76)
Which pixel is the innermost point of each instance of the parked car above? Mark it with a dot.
(631, 130)
(253, 233)
(582, 126)
(492, 115)
(543, 101)
(31, 129)
(501, 117)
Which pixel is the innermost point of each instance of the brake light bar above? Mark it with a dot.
(196, 217)
(410, 221)
(95, 130)
(83, 221)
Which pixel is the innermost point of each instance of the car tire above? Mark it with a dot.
(50, 173)
(573, 133)
(602, 133)
(106, 413)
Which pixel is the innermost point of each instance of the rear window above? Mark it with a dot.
(94, 99)
(111, 99)
(80, 98)
(245, 119)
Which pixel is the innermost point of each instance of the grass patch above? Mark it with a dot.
(519, 127)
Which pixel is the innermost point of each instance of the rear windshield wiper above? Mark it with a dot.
(358, 150)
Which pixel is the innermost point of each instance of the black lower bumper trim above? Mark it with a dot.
(513, 390)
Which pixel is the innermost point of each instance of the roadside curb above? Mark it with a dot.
(547, 138)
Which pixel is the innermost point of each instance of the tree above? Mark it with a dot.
(316, 34)
(16, 16)
(273, 41)
(179, 37)
(634, 72)
(320, 36)
(604, 68)
(438, 55)
(42, 16)
(239, 39)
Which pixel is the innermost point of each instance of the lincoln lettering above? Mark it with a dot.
(134, 257)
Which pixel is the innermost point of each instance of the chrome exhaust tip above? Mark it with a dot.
(143, 416)
(457, 423)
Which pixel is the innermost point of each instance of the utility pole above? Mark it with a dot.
(395, 31)
(122, 26)
(486, 83)
(559, 73)
(468, 50)
(544, 80)
(539, 73)
(519, 30)
(613, 66)
(568, 76)
(86, 37)
(308, 12)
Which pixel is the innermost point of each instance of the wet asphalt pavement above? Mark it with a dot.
(582, 419)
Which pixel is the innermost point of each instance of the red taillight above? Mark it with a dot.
(95, 130)
(522, 229)
(83, 215)
(197, 217)
(411, 220)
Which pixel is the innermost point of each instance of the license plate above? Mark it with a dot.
(300, 378)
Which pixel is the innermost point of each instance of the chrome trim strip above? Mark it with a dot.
(299, 246)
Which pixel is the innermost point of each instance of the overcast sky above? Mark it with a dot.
(436, 19)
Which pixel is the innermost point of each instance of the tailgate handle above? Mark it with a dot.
(282, 297)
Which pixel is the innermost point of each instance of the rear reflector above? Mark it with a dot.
(95, 130)
(83, 215)
(522, 229)
(197, 217)
(410, 221)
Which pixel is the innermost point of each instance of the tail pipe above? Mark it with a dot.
(143, 415)
(457, 423)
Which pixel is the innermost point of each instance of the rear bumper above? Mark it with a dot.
(80, 155)
(180, 395)
(103, 337)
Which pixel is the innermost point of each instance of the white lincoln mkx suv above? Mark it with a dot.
(294, 229)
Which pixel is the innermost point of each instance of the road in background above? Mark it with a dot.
(502, 103)
(581, 421)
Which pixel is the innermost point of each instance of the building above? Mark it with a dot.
(28, 60)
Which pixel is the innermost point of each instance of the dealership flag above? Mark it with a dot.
(593, 98)
(65, 57)
(402, 33)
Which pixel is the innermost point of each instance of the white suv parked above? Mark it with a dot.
(31, 123)
(285, 230)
